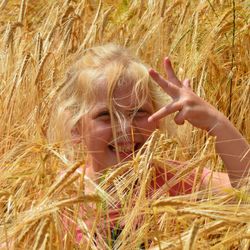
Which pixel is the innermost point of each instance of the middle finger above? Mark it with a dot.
(169, 87)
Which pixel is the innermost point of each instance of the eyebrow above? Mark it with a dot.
(105, 108)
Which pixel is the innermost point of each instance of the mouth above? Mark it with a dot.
(125, 149)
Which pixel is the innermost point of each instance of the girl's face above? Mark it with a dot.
(96, 128)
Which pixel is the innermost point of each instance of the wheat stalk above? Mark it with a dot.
(207, 42)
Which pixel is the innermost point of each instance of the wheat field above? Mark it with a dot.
(208, 41)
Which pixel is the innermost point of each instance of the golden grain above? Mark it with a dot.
(119, 171)
(41, 233)
(207, 42)
(22, 11)
(61, 181)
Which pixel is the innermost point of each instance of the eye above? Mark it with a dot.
(141, 113)
(104, 115)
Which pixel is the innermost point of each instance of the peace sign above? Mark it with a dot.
(190, 106)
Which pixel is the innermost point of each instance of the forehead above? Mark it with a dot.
(121, 93)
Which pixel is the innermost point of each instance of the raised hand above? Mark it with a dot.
(190, 106)
(232, 147)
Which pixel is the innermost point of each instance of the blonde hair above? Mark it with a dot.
(110, 63)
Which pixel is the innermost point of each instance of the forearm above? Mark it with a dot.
(233, 149)
(230, 144)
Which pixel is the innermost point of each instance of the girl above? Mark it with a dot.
(110, 104)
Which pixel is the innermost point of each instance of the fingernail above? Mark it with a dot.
(150, 119)
(153, 72)
(167, 59)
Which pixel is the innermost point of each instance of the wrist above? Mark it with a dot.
(220, 125)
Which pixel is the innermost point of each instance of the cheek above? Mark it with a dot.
(98, 134)
(146, 127)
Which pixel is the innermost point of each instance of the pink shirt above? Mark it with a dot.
(161, 178)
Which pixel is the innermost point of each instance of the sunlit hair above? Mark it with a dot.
(111, 64)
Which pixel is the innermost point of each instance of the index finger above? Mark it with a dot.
(170, 72)
(166, 85)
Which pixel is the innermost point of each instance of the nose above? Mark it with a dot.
(125, 127)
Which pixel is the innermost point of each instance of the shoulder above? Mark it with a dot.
(218, 181)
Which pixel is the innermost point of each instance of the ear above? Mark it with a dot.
(75, 135)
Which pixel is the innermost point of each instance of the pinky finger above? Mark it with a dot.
(169, 109)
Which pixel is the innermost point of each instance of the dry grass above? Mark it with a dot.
(207, 41)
